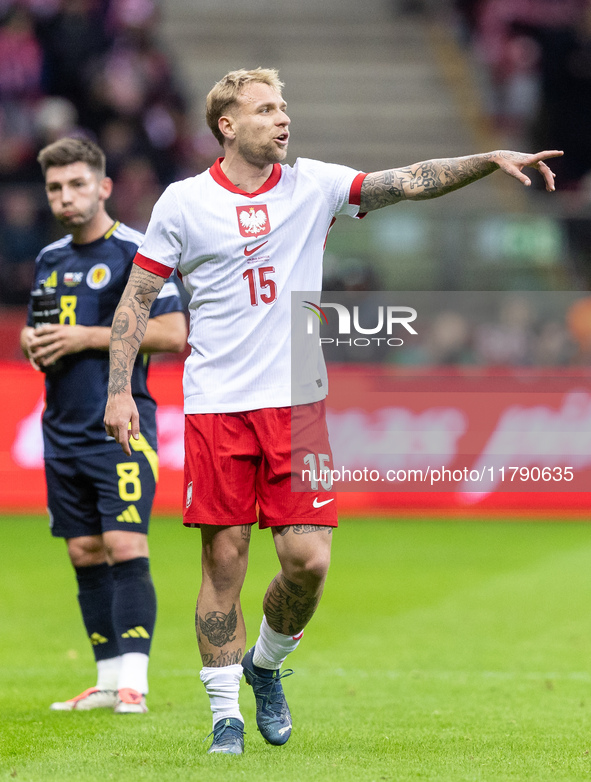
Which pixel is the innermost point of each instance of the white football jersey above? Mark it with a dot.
(240, 256)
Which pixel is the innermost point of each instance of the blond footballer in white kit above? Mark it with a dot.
(244, 235)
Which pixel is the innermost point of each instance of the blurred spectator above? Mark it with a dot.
(55, 117)
(72, 40)
(17, 142)
(136, 190)
(20, 57)
(579, 325)
(22, 234)
(445, 340)
(565, 111)
(132, 14)
(20, 87)
(41, 8)
(538, 59)
(134, 82)
(468, 11)
(121, 141)
(510, 340)
(449, 340)
(554, 346)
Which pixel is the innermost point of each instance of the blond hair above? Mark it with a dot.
(72, 150)
(226, 91)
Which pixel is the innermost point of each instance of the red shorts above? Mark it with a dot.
(236, 461)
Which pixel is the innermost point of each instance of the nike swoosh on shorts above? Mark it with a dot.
(318, 504)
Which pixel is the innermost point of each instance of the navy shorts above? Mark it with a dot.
(89, 495)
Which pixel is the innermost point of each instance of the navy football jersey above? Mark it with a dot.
(89, 280)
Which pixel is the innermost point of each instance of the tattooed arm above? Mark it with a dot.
(434, 178)
(129, 326)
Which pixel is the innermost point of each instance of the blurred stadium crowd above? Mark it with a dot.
(536, 58)
(94, 68)
(97, 68)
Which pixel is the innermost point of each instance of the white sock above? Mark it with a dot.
(134, 672)
(272, 648)
(222, 686)
(107, 673)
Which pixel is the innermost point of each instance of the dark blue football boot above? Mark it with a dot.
(228, 737)
(273, 716)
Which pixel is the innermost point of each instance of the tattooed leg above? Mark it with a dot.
(219, 624)
(294, 594)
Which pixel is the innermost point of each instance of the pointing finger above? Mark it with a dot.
(548, 153)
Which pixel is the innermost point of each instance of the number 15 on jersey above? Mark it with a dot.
(260, 286)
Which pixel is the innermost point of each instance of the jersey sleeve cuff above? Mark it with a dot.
(152, 266)
(355, 192)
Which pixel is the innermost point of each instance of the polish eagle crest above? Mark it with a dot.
(253, 220)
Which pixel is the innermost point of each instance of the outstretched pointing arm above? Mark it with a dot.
(129, 326)
(434, 178)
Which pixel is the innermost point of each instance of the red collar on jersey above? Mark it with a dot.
(222, 179)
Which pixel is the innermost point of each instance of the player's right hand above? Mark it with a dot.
(52, 341)
(122, 419)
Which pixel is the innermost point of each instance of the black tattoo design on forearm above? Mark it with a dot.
(218, 628)
(129, 326)
(288, 606)
(120, 324)
(428, 179)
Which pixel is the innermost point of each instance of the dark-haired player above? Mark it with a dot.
(99, 499)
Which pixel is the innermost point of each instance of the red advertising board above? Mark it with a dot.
(517, 438)
(22, 483)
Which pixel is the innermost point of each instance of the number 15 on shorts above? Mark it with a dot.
(319, 472)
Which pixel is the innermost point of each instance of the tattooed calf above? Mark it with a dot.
(223, 659)
(217, 627)
(288, 607)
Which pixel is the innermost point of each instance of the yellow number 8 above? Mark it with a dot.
(68, 313)
(129, 476)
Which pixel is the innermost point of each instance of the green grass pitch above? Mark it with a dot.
(440, 651)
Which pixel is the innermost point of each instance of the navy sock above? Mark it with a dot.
(95, 596)
(134, 605)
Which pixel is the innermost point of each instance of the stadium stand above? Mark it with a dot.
(93, 68)
(537, 68)
(410, 80)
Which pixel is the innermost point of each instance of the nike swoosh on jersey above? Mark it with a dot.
(318, 504)
(248, 252)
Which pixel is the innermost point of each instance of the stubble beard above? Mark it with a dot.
(79, 220)
(71, 222)
(261, 155)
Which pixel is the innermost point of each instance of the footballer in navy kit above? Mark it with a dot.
(97, 500)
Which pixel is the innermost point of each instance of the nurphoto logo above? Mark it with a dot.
(386, 319)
